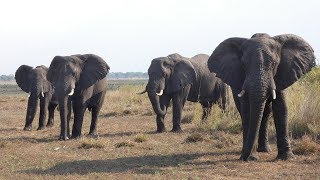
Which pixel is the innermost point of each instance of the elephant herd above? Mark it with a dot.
(257, 69)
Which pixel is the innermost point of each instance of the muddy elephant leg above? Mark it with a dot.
(178, 102)
(51, 109)
(164, 103)
(78, 110)
(280, 115)
(43, 111)
(206, 110)
(263, 143)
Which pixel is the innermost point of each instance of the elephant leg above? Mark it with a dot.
(43, 111)
(78, 110)
(178, 102)
(206, 109)
(51, 109)
(164, 103)
(280, 115)
(263, 143)
(31, 111)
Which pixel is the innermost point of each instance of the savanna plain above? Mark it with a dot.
(128, 147)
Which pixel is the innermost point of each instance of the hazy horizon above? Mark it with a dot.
(129, 34)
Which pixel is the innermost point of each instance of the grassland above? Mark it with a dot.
(128, 148)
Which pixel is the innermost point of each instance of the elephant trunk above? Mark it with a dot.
(257, 101)
(31, 110)
(155, 101)
(63, 101)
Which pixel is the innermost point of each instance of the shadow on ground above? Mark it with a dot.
(142, 165)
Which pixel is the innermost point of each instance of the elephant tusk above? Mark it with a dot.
(71, 93)
(144, 91)
(274, 96)
(29, 94)
(241, 93)
(160, 93)
(42, 94)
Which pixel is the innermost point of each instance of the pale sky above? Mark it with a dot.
(128, 34)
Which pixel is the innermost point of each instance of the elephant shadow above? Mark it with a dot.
(142, 165)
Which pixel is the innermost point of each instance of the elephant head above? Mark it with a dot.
(168, 75)
(71, 76)
(256, 68)
(32, 81)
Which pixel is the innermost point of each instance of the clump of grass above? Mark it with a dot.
(304, 114)
(124, 144)
(195, 137)
(140, 138)
(3, 144)
(96, 144)
(306, 146)
(222, 139)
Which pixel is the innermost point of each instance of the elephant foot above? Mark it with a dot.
(176, 130)
(93, 135)
(63, 138)
(264, 149)
(49, 125)
(76, 136)
(285, 156)
(161, 130)
(40, 128)
(27, 128)
(249, 158)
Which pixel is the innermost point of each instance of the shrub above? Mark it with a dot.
(306, 146)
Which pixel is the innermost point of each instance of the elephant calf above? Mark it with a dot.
(179, 78)
(34, 81)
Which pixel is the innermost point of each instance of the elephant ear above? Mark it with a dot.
(183, 74)
(225, 61)
(297, 58)
(54, 66)
(22, 77)
(94, 69)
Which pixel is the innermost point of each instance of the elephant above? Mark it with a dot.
(80, 81)
(258, 71)
(34, 81)
(179, 78)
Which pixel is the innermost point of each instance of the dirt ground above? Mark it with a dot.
(117, 154)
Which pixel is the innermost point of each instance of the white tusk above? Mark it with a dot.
(241, 93)
(71, 93)
(274, 96)
(160, 93)
(29, 94)
(42, 94)
(144, 91)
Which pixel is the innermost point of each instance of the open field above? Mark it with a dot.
(128, 148)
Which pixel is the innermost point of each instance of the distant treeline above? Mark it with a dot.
(128, 75)
(112, 75)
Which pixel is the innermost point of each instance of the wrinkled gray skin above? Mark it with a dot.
(80, 81)
(34, 81)
(182, 79)
(258, 70)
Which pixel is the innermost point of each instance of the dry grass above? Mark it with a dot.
(128, 122)
(195, 137)
(306, 146)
